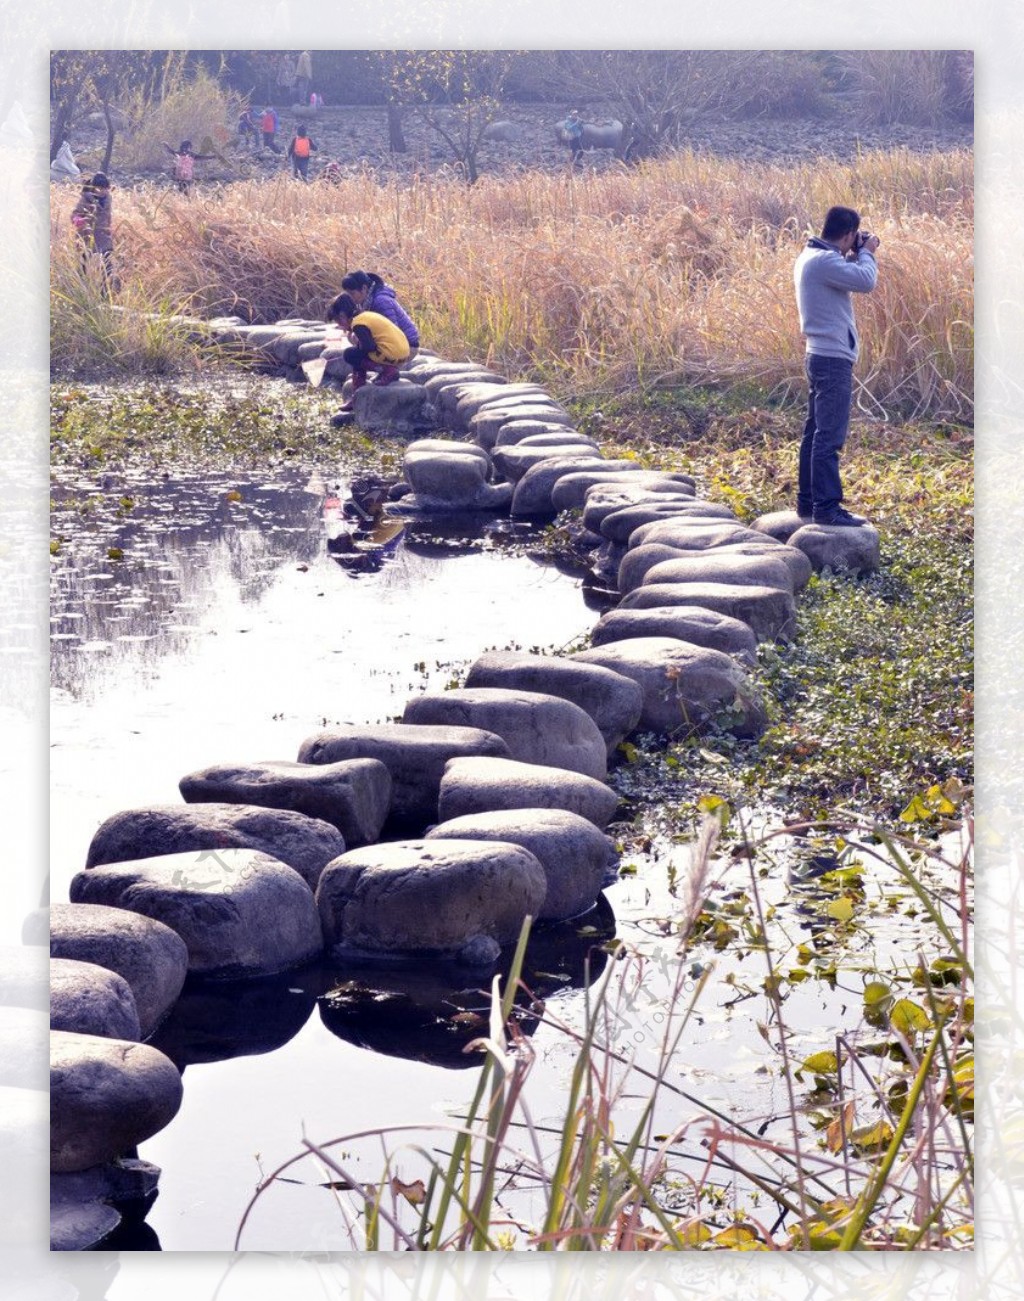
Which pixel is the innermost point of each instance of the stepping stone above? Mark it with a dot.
(485, 426)
(304, 843)
(81, 1214)
(414, 755)
(477, 380)
(151, 957)
(827, 546)
(454, 478)
(448, 446)
(513, 462)
(537, 728)
(639, 561)
(614, 702)
(532, 495)
(458, 898)
(482, 785)
(685, 687)
(558, 438)
(577, 858)
(399, 408)
(573, 491)
(603, 500)
(620, 525)
(714, 567)
(769, 611)
(106, 1097)
(492, 498)
(689, 623)
(88, 999)
(517, 431)
(693, 534)
(779, 524)
(240, 913)
(469, 405)
(353, 796)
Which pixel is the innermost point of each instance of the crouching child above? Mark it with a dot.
(377, 343)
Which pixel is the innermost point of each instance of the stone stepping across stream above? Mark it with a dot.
(443, 898)
(689, 623)
(769, 611)
(150, 956)
(612, 700)
(576, 857)
(686, 688)
(88, 999)
(482, 785)
(304, 843)
(240, 912)
(537, 728)
(354, 795)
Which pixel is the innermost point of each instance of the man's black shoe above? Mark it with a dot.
(839, 518)
(805, 512)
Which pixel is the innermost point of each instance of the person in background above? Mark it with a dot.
(572, 132)
(831, 268)
(303, 77)
(370, 293)
(377, 343)
(92, 224)
(269, 123)
(248, 129)
(185, 159)
(299, 149)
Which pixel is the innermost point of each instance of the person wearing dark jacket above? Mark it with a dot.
(370, 293)
(377, 343)
(91, 221)
(828, 271)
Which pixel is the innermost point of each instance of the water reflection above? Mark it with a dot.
(214, 1021)
(431, 1012)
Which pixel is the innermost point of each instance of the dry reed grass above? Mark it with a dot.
(675, 272)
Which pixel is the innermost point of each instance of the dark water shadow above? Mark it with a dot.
(213, 1021)
(429, 1012)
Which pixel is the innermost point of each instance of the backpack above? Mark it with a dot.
(300, 146)
(184, 167)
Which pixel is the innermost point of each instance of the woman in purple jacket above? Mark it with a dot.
(370, 293)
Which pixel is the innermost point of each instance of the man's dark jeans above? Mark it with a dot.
(830, 389)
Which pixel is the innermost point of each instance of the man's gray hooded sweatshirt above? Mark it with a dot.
(824, 282)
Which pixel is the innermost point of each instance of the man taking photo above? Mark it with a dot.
(831, 268)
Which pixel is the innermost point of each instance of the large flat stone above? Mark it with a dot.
(536, 727)
(638, 561)
(354, 795)
(769, 611)
(512, 462)
(614, 702)
(620, 525)
(302, 842)
(240, 913)
(482, 785)
(686, 688)
(150, 956)
(689, 623)
(485, 426)
(847, 550)
(414, 755)
(432, 897)
(690, 534)
(764, 570)
(106, 1097)
(573, 490)
(89, 999)
(575, 855)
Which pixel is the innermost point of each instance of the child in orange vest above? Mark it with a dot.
(299, 149)
(268, 126)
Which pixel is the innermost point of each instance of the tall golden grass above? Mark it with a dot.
(674, 272)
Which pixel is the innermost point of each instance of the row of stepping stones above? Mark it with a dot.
(437, 835)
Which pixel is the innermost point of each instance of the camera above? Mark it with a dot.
(862, 238)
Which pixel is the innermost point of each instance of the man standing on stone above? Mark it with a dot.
(831, 268)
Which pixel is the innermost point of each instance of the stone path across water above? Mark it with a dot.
(435, 837)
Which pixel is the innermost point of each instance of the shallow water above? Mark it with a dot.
(225, 631)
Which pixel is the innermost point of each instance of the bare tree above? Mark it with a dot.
(656, 94)
(457, 93)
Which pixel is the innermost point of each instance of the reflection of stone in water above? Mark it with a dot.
(216, 1020)
(429, 1012)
